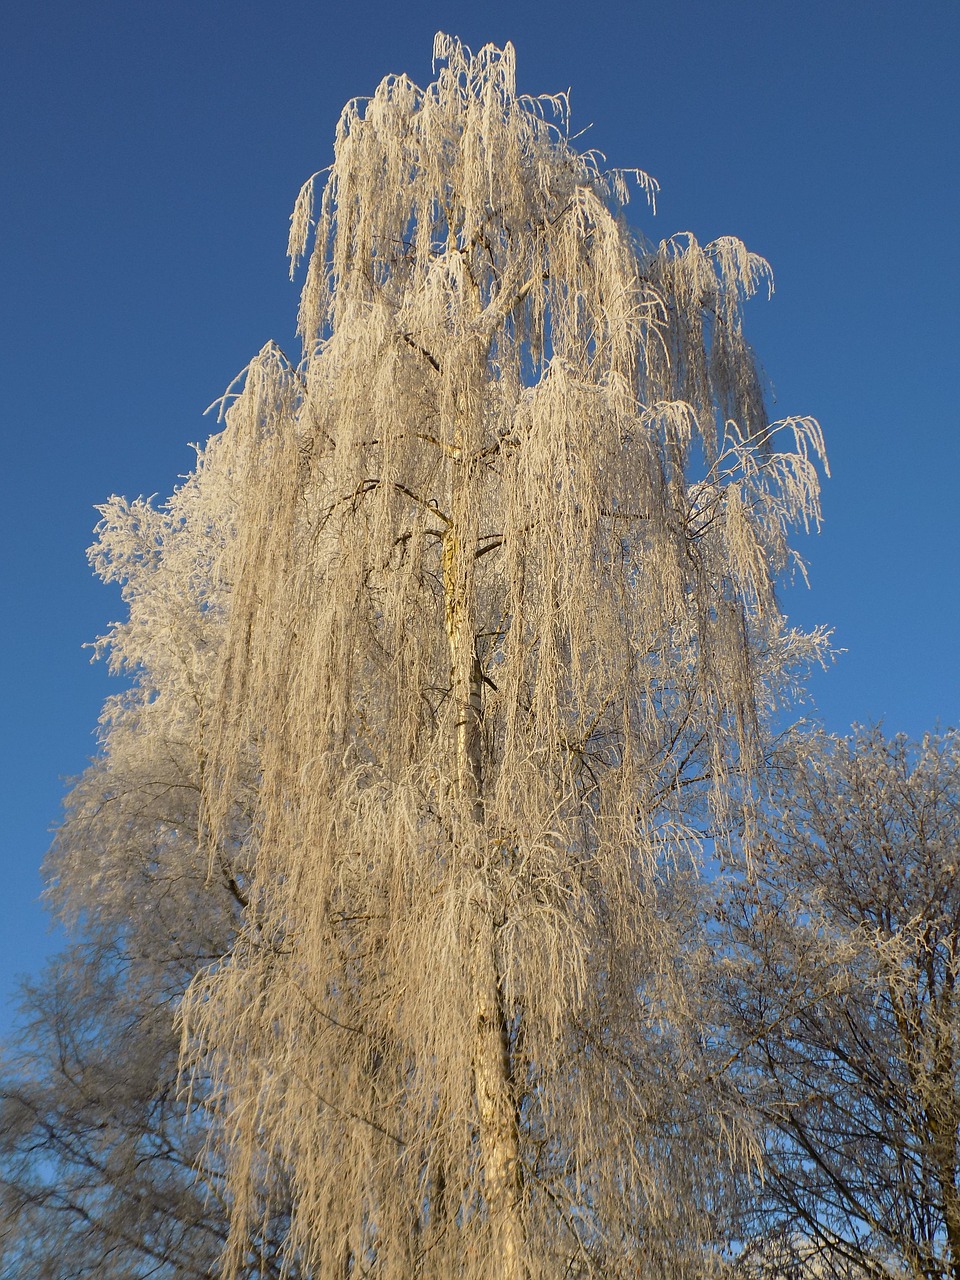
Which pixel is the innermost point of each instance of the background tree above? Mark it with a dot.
(98, 1161)
(846, 1006)
(501, 638)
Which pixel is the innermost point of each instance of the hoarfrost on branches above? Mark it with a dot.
(502, 634)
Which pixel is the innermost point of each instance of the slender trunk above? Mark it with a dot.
(496, 1113)
(495, 1106)
(466, 681)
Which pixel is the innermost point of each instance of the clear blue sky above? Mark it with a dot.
(152, 150)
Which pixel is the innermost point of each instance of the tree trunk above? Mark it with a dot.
(496, 1111)
(495, 1105)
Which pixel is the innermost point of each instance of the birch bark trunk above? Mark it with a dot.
(496, 1108)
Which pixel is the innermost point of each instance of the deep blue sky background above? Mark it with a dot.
(152, 150)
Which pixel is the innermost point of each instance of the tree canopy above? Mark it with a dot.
(501, 631)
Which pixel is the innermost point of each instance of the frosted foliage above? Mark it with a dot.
(100, 1176)
(502, 630)
(132, 818)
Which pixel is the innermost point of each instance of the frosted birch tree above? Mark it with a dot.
(485, 637)
(501, 639)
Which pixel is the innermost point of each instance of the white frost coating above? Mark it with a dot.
(501, 638)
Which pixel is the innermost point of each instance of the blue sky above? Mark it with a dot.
(152, 150)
